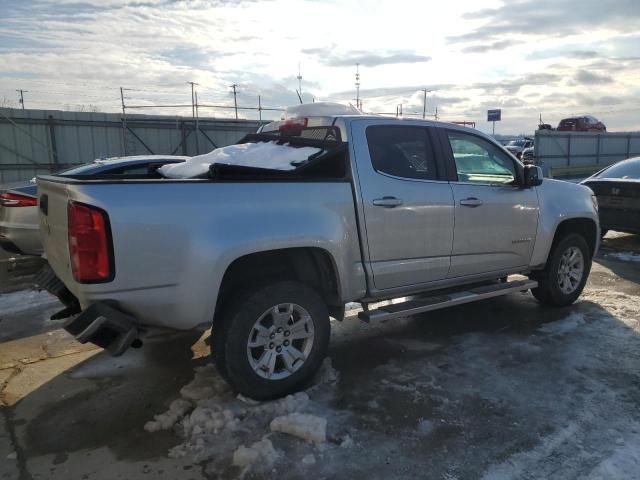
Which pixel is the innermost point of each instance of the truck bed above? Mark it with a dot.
(174, 239)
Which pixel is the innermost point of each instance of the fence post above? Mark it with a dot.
(184, 143)
(52, 139)
(628, 145)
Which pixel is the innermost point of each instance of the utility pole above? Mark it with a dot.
(299, 83)
(197, 126)
(424, 103)
(358, 106)
(436, 113)
(22, 92)
(235, 98)
(259, 108)
(124, 124)
(193, 99)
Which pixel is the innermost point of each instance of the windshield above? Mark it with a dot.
(624, 170)
(516, 143)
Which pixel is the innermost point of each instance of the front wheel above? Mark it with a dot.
(565, 275)
(272, 339)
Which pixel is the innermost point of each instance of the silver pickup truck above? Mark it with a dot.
(434, 212)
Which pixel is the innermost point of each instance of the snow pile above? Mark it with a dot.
(310, 428)
(262, 155)
(220, 427)
(262, 450)
(624, 256)
(167, 420)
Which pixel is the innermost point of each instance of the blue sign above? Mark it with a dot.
(494, 115)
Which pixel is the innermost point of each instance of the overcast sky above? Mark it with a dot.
(528, 57)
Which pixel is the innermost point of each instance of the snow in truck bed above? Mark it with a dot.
(269, 155)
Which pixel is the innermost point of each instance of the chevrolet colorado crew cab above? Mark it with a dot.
(385, 208)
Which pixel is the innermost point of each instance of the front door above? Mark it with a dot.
(408, 208)
(495, 218)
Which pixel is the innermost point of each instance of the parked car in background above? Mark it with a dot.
(18, 202)
(586, 123)
(617, 189)
(517, 146)
(528, 155)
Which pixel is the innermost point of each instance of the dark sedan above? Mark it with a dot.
(618, 191)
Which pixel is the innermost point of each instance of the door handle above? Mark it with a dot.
(471, 202)
(388, 202)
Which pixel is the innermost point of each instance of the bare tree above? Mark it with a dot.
(7, 103)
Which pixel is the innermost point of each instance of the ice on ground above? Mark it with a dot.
(624, 256)
(262, 451)
(269, 155)
(16, 302)
(425, 426)
(309, 459)
(326, 374)
(310, 428)
(567, 324)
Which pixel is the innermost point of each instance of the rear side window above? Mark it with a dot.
(401, 151)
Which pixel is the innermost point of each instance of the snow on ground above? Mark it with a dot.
(263, 155)
(623, 256)
(24, 300)
(550, 398)
(226, 430)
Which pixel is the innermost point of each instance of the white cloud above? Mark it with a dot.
(474, 56)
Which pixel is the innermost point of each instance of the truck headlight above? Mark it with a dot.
(594, 200)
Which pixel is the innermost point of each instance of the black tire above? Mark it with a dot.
(548, 291)
(235, 324)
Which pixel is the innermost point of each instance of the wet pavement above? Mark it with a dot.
(502, 388)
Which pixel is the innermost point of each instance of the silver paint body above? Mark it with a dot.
(174, 240)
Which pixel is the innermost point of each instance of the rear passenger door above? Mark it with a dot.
(495, 217)
(406, 202)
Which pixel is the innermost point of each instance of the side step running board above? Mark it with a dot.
(427, 304)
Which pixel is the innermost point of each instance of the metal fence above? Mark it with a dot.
(35, 142)
(578, 153)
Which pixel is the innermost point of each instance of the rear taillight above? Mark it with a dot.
(90, 244)
(8, 199)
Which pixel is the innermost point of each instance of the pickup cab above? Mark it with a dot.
(435, 212)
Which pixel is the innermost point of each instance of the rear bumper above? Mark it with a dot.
(105, 326)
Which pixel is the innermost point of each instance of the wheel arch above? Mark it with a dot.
(585, 227)
(312, 266)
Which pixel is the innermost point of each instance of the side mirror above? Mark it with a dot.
(532, 176)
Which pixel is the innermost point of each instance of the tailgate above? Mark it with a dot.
(53, 198)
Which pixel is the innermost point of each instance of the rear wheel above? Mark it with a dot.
(565, 275)
(272, 339)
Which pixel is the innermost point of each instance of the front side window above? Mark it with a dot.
(479, 161)
(401, 151)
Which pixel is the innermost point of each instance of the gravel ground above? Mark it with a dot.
(498, 389)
